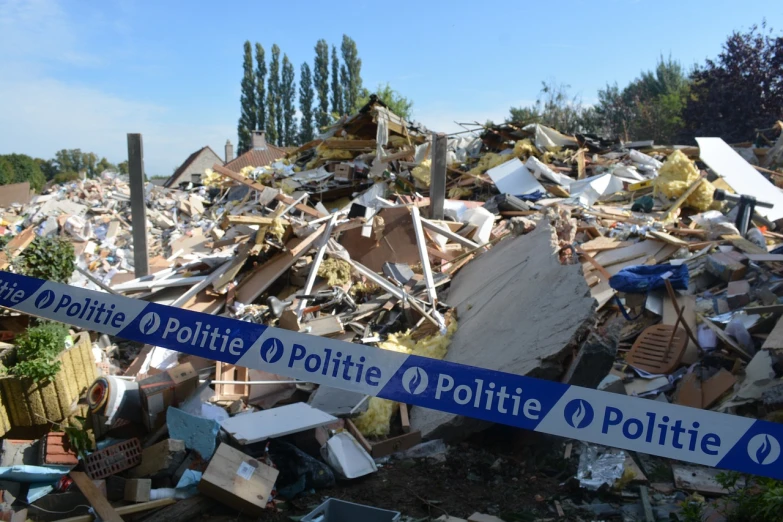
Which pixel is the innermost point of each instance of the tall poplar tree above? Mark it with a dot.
(274, 123)
(351, 73)
(260, 88)
(248, 115)
(337, 90)
(321, 81)
(288, 97)
(306, 96)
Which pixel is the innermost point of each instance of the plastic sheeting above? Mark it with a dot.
(540, 170)
(547, 138)
(588, 191)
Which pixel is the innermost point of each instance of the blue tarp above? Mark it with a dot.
(641, 279)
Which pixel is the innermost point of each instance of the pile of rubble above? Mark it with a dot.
(646, 270)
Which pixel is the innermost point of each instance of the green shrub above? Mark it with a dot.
(49, 258)
(759, 500)
(37, 350)
(65, 177)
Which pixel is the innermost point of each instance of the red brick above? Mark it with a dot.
(113, 459)
(57, 450)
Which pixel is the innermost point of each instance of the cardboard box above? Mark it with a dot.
(165, 389)
(237, 480)
(343, 172)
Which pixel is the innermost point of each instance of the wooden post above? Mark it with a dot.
(141, 264)
(438, 175)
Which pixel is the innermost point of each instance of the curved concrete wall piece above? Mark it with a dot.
(520, 311)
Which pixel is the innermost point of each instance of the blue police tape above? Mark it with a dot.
(688, 434)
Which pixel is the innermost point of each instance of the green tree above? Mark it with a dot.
(351, 73)
(90, 162)
(321, 81)
(104, 164)
(65, 177)
(306, 97)
(274, 120)
(288, 95)
(616, 112)
(650, 107)
(741, 90)
(48, 167)
(338, 105)
(123, 167)
(18, 168)
(555, 107)
(396, 102)
(6, 171)
(260, 88)
(524, 115)
(69, 160)
(249, 111)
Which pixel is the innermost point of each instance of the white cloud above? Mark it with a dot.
(39, 31)
(49, 115)
(43, 114)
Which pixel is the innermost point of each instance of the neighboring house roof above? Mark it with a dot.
(257, 157)
(159, 181)
(182, 168)
(15, 193)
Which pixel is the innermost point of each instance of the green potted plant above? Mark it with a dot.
(45, 374)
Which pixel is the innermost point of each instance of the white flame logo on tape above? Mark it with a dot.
(763, 449)
(578, 413)
(44, 300)
(272, 350)
(415, 380)
(150, 323)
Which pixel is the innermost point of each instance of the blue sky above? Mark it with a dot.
(83, 74)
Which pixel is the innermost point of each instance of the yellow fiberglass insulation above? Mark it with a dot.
(488, 161)
(376, 421)
(322, 153)
(676, 175)
(335, 271)
(421, 173)
(276, 229)
(460, 192)
(211, 178)
(523, 149)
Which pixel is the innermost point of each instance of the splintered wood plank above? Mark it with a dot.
(666, 238)
(642, 248)
(664, 254)
(744, 245)
(95, 497)
(687, 304)
(602, 293)
(262, 278)
(602, 243)
(239, 178)
(728, 341)
(16, 246)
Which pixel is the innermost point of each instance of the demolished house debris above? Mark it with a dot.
(558, 257)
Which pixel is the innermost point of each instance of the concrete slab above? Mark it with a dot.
(519, 311)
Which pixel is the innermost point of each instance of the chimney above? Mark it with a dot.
(259, 140)
(229, 151)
